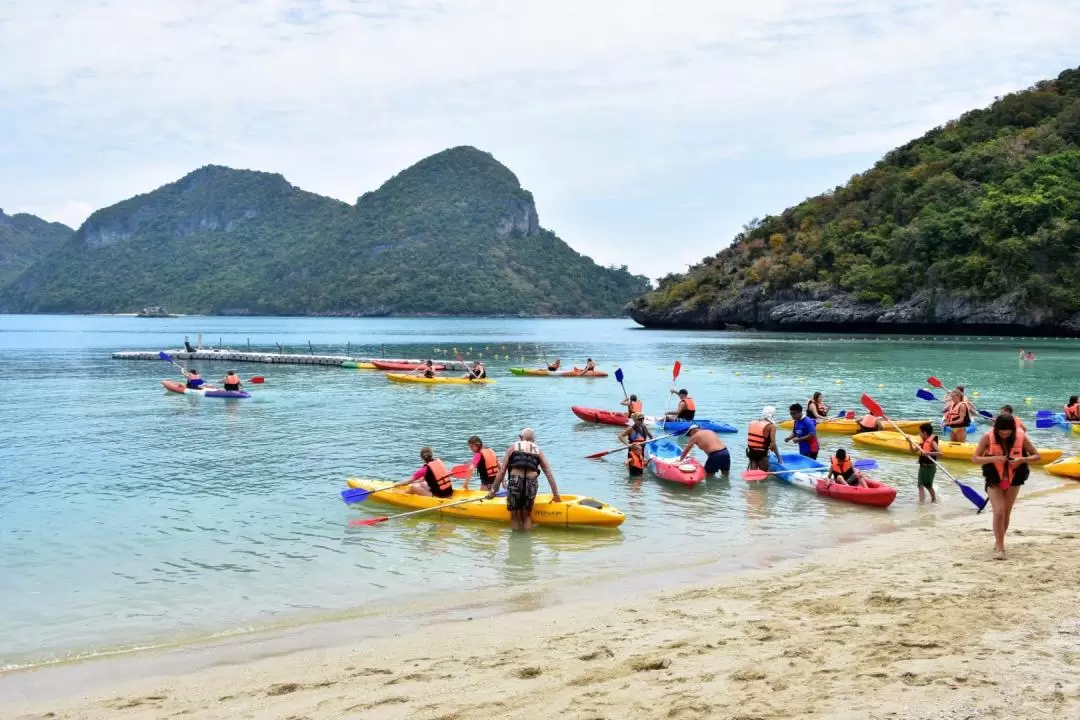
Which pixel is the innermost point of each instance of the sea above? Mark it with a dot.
(132, 518)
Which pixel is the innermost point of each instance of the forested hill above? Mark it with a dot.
(974, 227)
(453, 234)
(25, 239)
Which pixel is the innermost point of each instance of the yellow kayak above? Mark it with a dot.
(397, 377)
(1065, 467)
(891, 440)
(843, 426)
(1076, 429)
(574, 510)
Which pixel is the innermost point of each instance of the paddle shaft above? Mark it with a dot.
(422, 510)
(595, 456)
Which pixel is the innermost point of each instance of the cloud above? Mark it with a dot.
(623, 117)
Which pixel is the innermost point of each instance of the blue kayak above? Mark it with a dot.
(680, 426)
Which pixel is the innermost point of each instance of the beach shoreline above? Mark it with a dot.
(916, 623)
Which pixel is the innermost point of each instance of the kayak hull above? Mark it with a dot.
(399, 366)
(844, 426)
(531, 372)
(182, 389)
(573, 511)
(358, 365)
(814, 478)
(680, 426)
(1065, 467)
(395, 377)
(894, 441)
(662, 457)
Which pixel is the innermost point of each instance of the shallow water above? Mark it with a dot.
(131, 516)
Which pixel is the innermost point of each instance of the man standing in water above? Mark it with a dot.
(804, 432)
(710, 443)
(521, 466)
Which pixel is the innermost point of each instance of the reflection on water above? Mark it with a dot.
(130, 513)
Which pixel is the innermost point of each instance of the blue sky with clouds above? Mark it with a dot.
(649, 132)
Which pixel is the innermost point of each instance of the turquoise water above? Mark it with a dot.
(131, 516)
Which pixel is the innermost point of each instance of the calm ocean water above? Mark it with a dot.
(129, 516)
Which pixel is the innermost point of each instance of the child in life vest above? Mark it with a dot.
(842, 470)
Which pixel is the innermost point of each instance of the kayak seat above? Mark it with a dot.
(589, 502)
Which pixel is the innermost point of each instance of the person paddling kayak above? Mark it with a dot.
(432, 479)
(194, 380)
(633, 437)
(761, 438)
(477, 371)
(710, 443)
(521, 467)
(632, 405)
(485, 462)
(552, 367)
(1004, 454)
(804, 432)
(232, 381)
(590, 366)
(685, 410)
(426, 370)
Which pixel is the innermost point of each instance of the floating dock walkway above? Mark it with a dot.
(238, 356)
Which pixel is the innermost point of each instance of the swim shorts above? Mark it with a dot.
(521, 492)
(719, 460)
(926, 475)
(1019, 476)
(756, 455)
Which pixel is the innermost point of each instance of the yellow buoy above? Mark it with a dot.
(975, 393)
(839, 382)
(881, 385)
(1028, 400)
(737, 373)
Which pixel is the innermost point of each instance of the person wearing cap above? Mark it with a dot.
(635, 437)
(803, 432)
(718, 457)
(685, 410)
(761, 438)
(521, 466)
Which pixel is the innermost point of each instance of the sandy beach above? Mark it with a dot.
(919, 623)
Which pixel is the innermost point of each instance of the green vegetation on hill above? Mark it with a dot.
(455, 233)
(25, 239)
(984, 207)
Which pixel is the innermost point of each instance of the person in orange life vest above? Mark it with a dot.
(869, 423)
(718, 457)
(1008, 410)
(957, 417)
(486, 463)
(927, 449)
(804, 432)
(232, 381)
(521, 466)
(841, 470)
(632, 404)
(433, 479)
(816, 408)
(1072, 409)
(634, 437)
(685, 410)
(1004, 454)
(590, 366)
(427, 369)
(477, 372)
(552, 367)
(761, 438)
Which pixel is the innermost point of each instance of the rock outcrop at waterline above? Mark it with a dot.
(927, 312)
(975, 227)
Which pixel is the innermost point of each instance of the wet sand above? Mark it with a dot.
(919, 623)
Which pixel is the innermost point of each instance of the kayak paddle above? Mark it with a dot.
(602, 453)
(257, 380)
(359, 495)
(384, 518)
(969, 492)
(860, 464)
(619, 377)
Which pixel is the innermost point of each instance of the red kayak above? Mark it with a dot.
(663, 459)
(603, 417)
(876, 494)
(397, 365)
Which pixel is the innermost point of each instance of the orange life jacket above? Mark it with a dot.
(757, 434)
(636, 456)
(841, 469)
(490, 463)
(868, 422)
(689, 403)
(635, 406)
(437, 475)
(817, 410)
(957, 414)
(1017, 451)
(1072, 412)
(927, 446)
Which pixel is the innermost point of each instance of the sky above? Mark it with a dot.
(648, 132)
